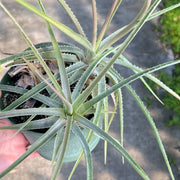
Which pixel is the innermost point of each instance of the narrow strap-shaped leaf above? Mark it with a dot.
(153, 126)
(75, 77)
(88, 90)
(35, 146)
(37, 54)
(75, 67)
(111, 36)
(66, 48)
(33, 111)
(59, 161)
(106, 122)
(129, 27)
(27, 94)
(154, 15)
(47, 52)
(151, 90)
(57, 146)
(69, 58)
(94, 31)
(59, 58)
(79, 86)
(141, 78)
(161, 12)
(97, 116)
(31, 118)
(153, 78)
(56, 91)
(33, 93)
(121, 119)
(83, 80)
(37, 124)
(76, 130)
(24, 124)
(119, 97)
(109, 17)
(150, 120)
(72, 16)
(126, 81)
(127, 41)
(113, 142)
(66, 30)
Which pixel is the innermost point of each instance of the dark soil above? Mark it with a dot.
(26, 80)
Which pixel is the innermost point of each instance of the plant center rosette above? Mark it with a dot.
(23, 89)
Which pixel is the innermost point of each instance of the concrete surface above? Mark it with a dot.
(145, 51)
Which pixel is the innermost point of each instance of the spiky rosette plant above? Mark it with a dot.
(77, 88)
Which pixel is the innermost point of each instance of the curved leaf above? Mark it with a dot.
(126, 81)
(37, 124)
(37, 54)
(76, 130)
(72, 16)
(150, 120)
(33, 111)
(27, 94)
(113, 142)
(69, 52)
(161, 12)
(97, 115)
(59, 161)
(59, 58)
(69, 32)
(138, 69)
(35, 146)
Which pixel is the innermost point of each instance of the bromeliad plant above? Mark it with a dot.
(77, 89)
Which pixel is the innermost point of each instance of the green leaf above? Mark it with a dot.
(153, 126)
(33, 111)
(105, 26)
(37, 54)
(119, 31)
(27, 94)
(129, 27)
(59, 58)
(97, 116)
(113, 142)
(142, 79)
(37, 124)
(157, 81)
(72, 16)
(59, 161)
(161, 12)
(110, 37)
(118, 93)
(35, 146)
(126, 81)
(57, 146)
(56, 91)
(69, 52)
(79, 86)
(88, 90)
(150, 120)
(94, 31)
(76, 130)
(69, 32)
